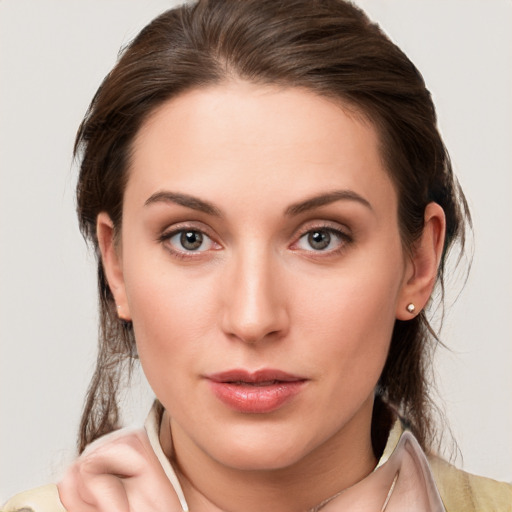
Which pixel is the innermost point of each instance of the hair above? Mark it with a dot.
(328, 47)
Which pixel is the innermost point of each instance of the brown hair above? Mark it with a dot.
(326, 46)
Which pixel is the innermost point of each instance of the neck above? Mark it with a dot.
(210, 486)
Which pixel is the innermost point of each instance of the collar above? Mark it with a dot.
(403, 472)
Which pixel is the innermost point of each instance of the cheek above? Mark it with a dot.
(352, 322)
(171, 316)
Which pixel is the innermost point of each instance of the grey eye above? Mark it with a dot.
(188, 241)
(191, 240)
(319, 240)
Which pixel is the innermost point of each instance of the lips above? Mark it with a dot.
(259, 392)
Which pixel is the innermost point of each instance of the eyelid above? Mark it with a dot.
(184, 226)
(327, 225)
(340, 230)
(180, 227)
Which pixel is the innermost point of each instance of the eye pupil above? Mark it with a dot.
(319, 239)
(191, 240)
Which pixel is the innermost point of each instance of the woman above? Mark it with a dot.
(272, 205)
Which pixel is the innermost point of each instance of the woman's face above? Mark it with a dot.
(261, 264)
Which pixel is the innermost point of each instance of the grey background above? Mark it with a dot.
(53, 55)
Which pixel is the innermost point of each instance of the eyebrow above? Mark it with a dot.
(186, 200)
(324, 199)
(317, 201)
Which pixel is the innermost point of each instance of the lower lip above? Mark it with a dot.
(256, 399)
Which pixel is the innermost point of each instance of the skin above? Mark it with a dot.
(257, 294)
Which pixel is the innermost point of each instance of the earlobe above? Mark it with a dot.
(424, 263)
(112, 263)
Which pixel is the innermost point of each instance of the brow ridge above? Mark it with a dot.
(325, 199)
(185, 200)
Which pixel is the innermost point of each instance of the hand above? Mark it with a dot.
(118, 473)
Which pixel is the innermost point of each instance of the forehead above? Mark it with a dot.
(249, 139)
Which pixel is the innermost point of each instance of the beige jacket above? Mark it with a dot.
(454, 490)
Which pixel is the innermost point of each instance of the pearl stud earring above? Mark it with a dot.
(411, 308)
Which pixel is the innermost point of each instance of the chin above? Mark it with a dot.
(263, 452)
(267, 460)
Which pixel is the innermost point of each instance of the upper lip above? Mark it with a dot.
(264, 375)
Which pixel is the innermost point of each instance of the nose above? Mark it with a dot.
(255, 304)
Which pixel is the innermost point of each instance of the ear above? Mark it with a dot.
(421, 272)
(112, 263)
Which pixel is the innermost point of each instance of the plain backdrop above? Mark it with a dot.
(53, 55)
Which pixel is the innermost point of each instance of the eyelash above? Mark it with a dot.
(344, 239)
(184, 254)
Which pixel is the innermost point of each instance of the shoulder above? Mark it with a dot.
(464, 492)
(459, 491)
(40, 499)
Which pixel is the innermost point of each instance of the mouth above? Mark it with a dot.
(259, 392)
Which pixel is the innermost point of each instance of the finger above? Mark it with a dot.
(120, 472)
(125, 455)
(69, 496)
(85, 492)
